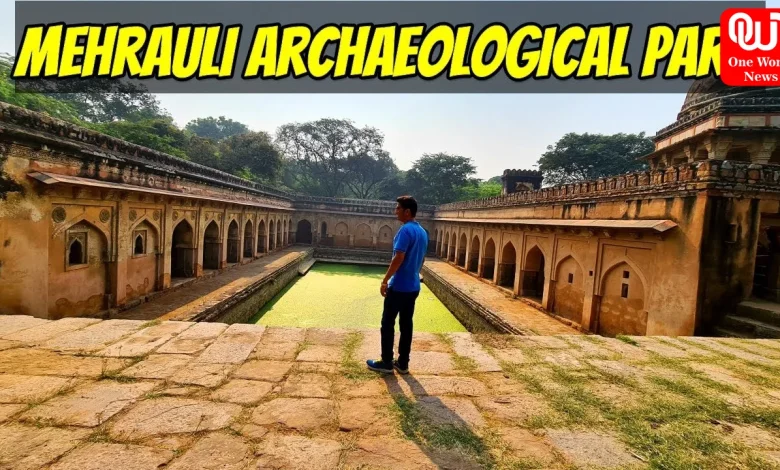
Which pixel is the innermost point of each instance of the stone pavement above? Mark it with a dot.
(516, 312)
(188, 301)
(124, 394)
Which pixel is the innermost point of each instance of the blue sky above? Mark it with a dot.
(496, 131)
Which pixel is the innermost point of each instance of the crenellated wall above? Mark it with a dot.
(89, 223)
(658, 253)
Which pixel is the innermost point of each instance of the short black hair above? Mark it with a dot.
(408, 202)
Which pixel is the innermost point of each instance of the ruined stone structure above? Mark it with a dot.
(513, 181)
(90, 223)
(669, 251)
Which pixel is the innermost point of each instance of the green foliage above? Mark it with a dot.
(252, 155)
(479, 190)
(323, 155)
(155, 133)
(216, 128)
(578, 157)
(33, 101)
(439, 178)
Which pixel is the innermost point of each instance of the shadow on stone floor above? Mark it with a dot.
(428, 418)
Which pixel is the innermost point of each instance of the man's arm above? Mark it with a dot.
(394, 265)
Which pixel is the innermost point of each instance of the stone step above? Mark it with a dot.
(726, 333)
(760, 310)
(305, 266)
(749, 326)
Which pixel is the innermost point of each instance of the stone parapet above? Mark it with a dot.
(362, 206)
(739, 176)
(704, 105)
(26, 125)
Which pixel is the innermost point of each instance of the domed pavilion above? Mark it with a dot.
(720, 122)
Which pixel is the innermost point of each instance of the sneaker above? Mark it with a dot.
(397, 366)
(379, 366)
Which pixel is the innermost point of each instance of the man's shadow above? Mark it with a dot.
(449, 427)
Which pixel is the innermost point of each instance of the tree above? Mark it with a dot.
(94, 100)
(365, 174)
(482, 189)
(216, 128)
(438, 178)
(155, 133)
(204, 151)
(252, 155)
(32, 101)
(579, 157)
(321, 149)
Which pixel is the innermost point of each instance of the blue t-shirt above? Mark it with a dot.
(412, 240)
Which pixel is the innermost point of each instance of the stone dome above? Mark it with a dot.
(705, 91)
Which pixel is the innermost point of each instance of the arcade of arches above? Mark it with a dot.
(668, 251)
(547, 271)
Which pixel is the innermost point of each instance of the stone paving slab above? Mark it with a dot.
(271, 371)
(173, 416)
(16, 323)
(464, 345)
(585, 448)
(30, 447)
(94, 337)
(302, 414)
(27, 361)
(203, 374)
(30, 388)
(146, 340)
(529, 401)
(243, 392)
(6, 411)
(158, 366)
(216, 451)
(90, 405)
(5, 344)
(298, 452)
(234, 345)
(46, 331)
(115, 456)
(193, 340)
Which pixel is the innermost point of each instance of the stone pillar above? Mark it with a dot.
(718, 147)
(373, 242)
(351, 241)
(198, 239)
(166, 245)
(225, 239)
(267, 240)
(241, 237)
(761, 152)
(121, 245)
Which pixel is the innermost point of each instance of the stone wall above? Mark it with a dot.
(606, 273)
(475, 317)
(241, 307)
(352, 255)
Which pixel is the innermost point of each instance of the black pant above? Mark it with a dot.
(395, 303)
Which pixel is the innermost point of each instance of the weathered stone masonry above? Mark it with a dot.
(90, 223)
(663, 252)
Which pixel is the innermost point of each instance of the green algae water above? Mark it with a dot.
(334, 295)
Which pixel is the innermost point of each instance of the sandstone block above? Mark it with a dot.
(31, 447)
(193, 340)
(234, 345)
(173, 416)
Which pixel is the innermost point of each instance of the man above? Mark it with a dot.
(400, 287)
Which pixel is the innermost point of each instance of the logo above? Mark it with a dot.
(749, 53)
